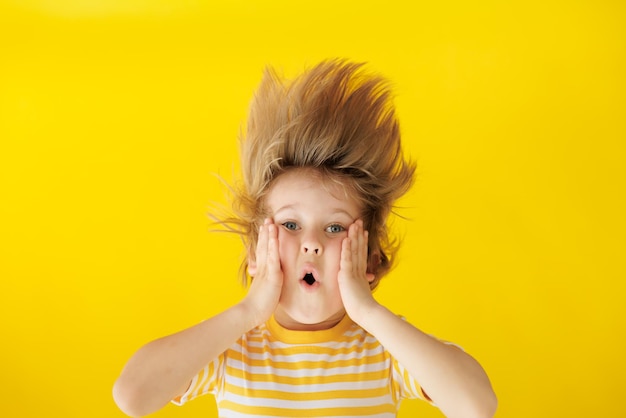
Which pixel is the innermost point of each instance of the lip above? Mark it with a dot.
(309, 268)
(309, 288)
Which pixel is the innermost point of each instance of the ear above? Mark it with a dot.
(372, 266)
(251, 265)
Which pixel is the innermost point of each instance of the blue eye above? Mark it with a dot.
(292, 226)
(335, 229)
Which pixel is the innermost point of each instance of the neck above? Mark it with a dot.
(287, 322)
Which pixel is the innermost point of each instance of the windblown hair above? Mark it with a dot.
(338, 121)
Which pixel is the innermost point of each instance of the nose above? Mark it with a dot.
(312, 244)
(311, 249)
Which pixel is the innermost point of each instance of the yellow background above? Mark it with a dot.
(114, 115)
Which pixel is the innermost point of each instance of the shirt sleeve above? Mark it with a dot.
(406, 386)
(206, 381)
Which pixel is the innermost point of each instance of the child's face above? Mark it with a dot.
(313, 218)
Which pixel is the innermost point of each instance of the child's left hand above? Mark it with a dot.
(353, 277)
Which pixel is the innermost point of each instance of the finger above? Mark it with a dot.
(261, 247)
(353, 233)
(346, 255)
(364, 248)
(366, 245)
(273, 255)
(357, 252)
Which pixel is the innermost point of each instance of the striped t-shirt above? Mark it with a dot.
(275, 372)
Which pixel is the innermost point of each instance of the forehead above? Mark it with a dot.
(301, 187)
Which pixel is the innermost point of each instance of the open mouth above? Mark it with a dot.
(309, 279)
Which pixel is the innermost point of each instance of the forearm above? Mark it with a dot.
(451, 378)
(163, 369)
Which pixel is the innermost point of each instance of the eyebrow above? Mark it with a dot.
(334, 211)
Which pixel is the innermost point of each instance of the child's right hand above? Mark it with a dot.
(267, 275)
(163, 369)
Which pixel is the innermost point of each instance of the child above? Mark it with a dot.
(322, 166)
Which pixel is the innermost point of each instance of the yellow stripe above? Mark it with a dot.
(354, 377)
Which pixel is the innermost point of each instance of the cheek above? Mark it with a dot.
(333, 249)
(287, 246)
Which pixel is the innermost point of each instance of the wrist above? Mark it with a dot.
(251, 314)
(367, 313)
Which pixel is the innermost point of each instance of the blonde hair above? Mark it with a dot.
(334, 119)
